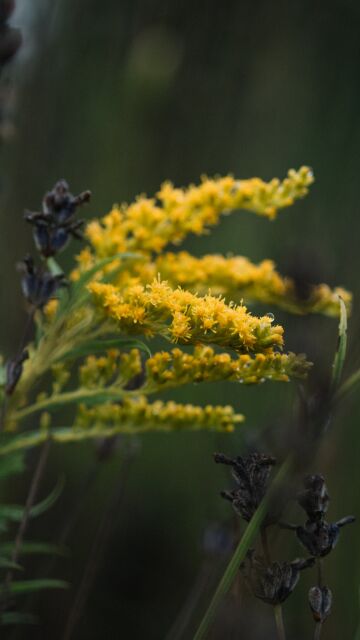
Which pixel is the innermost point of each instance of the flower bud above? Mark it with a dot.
(320, 600)
(252, 476)
(275, 582)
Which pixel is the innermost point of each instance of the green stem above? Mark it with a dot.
(239, 555)
(63, 435)
(70, 397)
(279, 622)
(349, 385)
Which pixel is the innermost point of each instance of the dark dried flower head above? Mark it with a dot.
(55, 224)
(39, 286)
(319, 538)
(252, 476)
(60, 204)
(275, 582)
(320, 599)
(315, 498)
(14, 369)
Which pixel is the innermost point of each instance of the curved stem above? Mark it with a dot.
(279, 622)
(69, 397)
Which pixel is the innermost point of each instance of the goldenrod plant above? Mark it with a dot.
(91, 333)
(127, 290)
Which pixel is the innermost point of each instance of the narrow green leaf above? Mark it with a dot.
(15, 617)
(340, 353)
(5, 563)
(99, 346)
(239, 555)
(34, 548)
(29, 586)
(45, 505)
(15, 512)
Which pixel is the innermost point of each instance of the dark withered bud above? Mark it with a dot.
(275, 582)
(14, 369)
(252, 476)
(320, 600)
(315, 498)
(60, 204)
(39, 286)
(55, 224)
(319, 538)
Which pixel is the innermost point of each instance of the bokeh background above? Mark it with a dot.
(116, 97)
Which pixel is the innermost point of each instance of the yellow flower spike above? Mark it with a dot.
(149, 225)
(186, 318)
(139, 416)
(165, 370)
(238, 278)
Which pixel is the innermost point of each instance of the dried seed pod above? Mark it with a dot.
(315, 498)
(55, 224)
(39, 286)
(319, 538)
(252, 475)
(275, 582)
(320, 600)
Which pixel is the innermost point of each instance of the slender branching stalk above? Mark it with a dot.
(31, 497)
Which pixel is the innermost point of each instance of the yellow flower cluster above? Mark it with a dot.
(238, 278)
(184, 317)
(130, 286)
(149, 224)
(170, 369)
(235, 278)
(139, 416)
(113, 368)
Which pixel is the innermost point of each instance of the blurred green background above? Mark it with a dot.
(116, 97)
